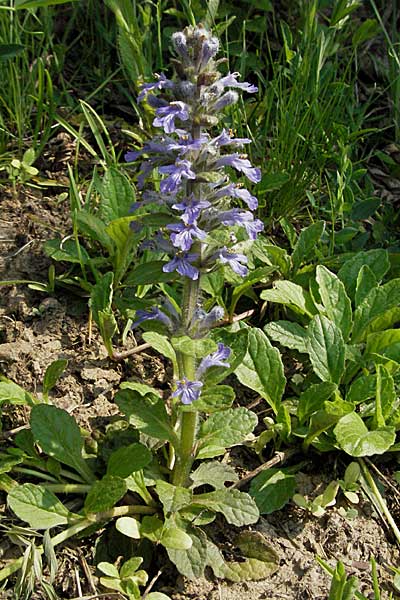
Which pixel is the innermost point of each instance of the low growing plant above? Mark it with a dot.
(146, 472)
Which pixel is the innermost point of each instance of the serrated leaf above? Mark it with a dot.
(313, 398)
(288, 334)
(377, 302)
(272, 489)
(117, 195)
(213, 473)
(306, 243)
(335, 300)
(261, 369)
(161, 344)
(128, 526)
(223, 430)
(290, 294)
(172, 497)
(53, 373)
(147, 416)
(366, 281)
(198, 348)
(214, 398)
(38, 507)
(105, 493)
(128, 459)
(192, 562)
(377, 261)
(237, 507)
(326, 349)
(354, 438)
(58, 435)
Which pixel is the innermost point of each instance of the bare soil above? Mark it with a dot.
(36, 328)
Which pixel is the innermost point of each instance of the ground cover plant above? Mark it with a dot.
(268, 311)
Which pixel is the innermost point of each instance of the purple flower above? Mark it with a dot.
(184, 233)
(225, 138)
(153, 314)
(181, 263)
(240, 164)
(179, 43)
(234, 191)
(166, 115)
(227, 99)
(243, 218)
(216, 359)
(181, 169)
(188, 391)
(145, 169)
(231, 81)
(162, 82)
(234, 261)
(192, 208)
(208, 50)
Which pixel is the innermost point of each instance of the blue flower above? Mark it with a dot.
(243, 218)
(166, 115)
(162, 82)
(181, 169)
(216, 359)
(154, 313)
(181, 263)
(225, 138)
(184, 233)
(234, 260)
(230, 80)
(235, 191)
(187, 391)
(240, 164)
(192, 208)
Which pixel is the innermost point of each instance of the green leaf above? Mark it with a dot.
(19, 4)
(379, 301)
(325, 418)
(290, 294)
(237, 507)
(213, 473)
(104, 494)
(272, 181)
(94, 228)
(175, 538)
(117, 195)
(108, 569)
(213, 399)
(149, 273)
(288, 334)
(38, 507)
(147, 416)
(8, 51)
(354, 438)
(308, 239)
(53, 373)
(272, 489)
(101, 296)
(68, 251)
(378, 342)
(198, 348)
(128, 459)
(58, 435)
(326, 349)
(130, 567)
(224, 429)
(128, 526)
(366, 31)
(376, 260)
(261, 369)
(161, 344)
(14, 394)
(362, 389)
(262, 560)
(172, 497)
(313, 398)
(335, 300)
(122, 235)
(157, 596)
(192, 562)
(271, 255)
(366, 281)
(385, 398)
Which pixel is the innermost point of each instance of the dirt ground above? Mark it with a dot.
(36, 328)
